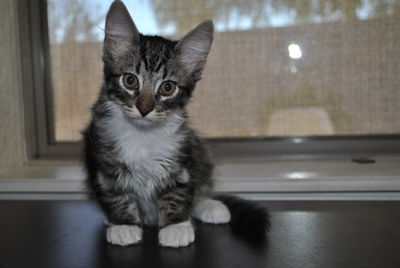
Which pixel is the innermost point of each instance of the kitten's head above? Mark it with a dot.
(150, 77)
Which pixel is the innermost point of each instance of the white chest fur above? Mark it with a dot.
(149, 152)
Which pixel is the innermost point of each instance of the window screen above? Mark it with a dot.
(277, 68)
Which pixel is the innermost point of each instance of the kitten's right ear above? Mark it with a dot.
(121, 32)
(193, 48)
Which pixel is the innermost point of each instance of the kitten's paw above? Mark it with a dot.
(124, 235)
(211, 211)
(176, 235)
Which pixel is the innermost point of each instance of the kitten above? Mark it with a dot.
(145, 165)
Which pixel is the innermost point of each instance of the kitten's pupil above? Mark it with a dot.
(130, 80)
(167, 87)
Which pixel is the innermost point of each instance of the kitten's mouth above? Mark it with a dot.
(151, 119)
(142, 122)
(137, 117)
(139, 120)
(131, 113)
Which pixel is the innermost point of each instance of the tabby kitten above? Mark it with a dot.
(145, 165)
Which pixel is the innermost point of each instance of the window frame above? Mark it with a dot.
(39, 116)
(36, 83)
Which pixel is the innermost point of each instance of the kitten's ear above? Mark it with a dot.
(121, 32)
(193, 48)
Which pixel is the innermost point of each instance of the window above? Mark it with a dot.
(282, 77)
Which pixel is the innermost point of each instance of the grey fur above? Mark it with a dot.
(147, 168)
(145, 165)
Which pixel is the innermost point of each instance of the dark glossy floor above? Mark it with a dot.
(304, 234)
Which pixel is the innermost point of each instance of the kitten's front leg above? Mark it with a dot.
(123, 217)
(176, 229)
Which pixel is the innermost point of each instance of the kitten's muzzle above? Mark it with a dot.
(145, 103)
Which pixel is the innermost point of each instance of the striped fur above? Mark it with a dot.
(149, 168)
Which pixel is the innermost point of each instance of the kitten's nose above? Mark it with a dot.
(144, 112)
(145, 103)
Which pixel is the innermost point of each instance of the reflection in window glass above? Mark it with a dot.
(277, 68)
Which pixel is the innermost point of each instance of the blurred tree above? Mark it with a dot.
(73, 21)
(305, 10)
(344, 9)
(185, 14)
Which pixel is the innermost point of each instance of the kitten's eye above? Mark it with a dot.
(130, 81)
(167, 88)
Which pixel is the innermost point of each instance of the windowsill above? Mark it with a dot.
(268, 177)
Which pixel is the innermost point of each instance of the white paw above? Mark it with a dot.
(176, 235)
(124, 235)
(211, 211)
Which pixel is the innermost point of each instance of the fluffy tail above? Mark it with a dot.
(248, 219)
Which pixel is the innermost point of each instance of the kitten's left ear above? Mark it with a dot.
(121, 32)
(193, 48)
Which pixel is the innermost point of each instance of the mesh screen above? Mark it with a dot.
(277, 68)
